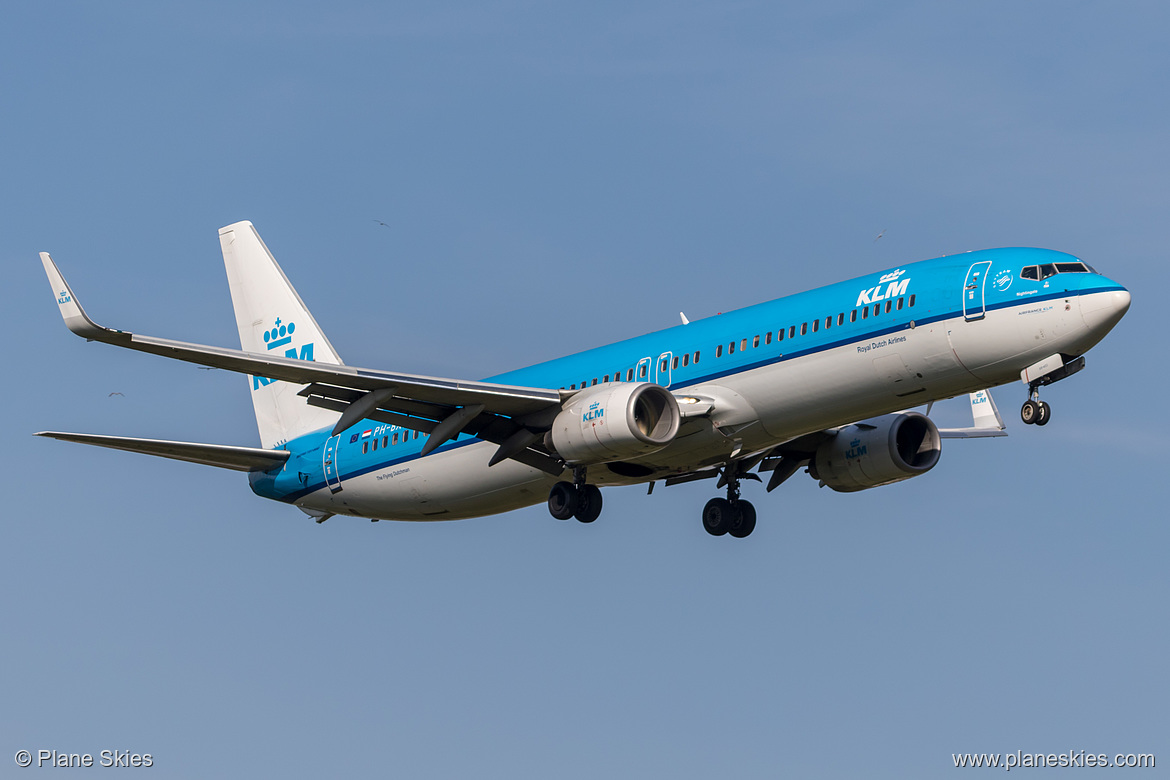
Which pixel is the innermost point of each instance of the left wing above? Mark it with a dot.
(514, 417)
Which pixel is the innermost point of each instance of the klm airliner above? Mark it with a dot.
(825, 380)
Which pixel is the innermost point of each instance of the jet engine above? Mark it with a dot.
(876, 452)
(614, 422)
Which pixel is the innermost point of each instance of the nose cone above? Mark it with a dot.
(1103, 310)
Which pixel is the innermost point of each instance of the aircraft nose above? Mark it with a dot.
(1103, 310)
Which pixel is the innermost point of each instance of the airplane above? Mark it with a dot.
(826, 380)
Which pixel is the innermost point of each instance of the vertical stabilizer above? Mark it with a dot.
(273, 320)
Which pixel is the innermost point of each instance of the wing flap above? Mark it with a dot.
(222, 456)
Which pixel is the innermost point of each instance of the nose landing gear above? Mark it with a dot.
(1034, 411)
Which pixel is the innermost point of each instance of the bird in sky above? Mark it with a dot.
(380, 222)
(879, 235)
(111, 395)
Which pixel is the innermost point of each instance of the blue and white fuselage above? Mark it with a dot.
(767, 387)
(780, 370)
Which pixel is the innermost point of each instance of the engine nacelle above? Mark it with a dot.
(615, 422)
(878, 452)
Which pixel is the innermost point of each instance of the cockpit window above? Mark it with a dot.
(1038, 272)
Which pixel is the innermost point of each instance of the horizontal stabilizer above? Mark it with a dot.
(219, 455)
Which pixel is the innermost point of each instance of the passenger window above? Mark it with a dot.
(755, 342)
(791, 331)
(768, 337)
(1031, 272)
(719, 351)
(686, 359)
(385, 442)
(595, 380)
(912, 300)
(731, 348)
(900, 302)
(642, 371)
(829, 321)
(375, 445)
(674, 363)
(605, 378)
(365, 447)
(877, 309)
(395, 439)
(865, 313)
(853, 316)
(696, 356)
(840, 319)
(816, 325)
(780, 335)
(573, 386)
(630, 375)
(889, 305)
(804, 328)
(742, 344)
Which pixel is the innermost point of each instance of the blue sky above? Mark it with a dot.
(556, 177)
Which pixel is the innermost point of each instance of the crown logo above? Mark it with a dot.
(891, 276)
(280, 334)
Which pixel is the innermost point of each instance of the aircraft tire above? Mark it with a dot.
(1044, 414)
(717, 515)
(1029, 412)
(744, 521)
(563, 500)
(588, 503)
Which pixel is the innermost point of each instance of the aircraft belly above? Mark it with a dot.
(446, 485)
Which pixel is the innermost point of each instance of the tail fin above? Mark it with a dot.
(272, 319)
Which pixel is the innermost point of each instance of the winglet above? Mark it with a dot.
(75, 317)
(985, 418)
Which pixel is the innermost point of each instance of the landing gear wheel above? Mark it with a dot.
(1029, 412)
(588, 503)
(717, 516)
(1044, 415)
(744, 521)
(563, 500)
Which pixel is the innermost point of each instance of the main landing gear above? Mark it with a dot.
(1034, 411)
(575, 499)
(731, 515)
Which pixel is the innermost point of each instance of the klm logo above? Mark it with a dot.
(595, 412)
(893, 288)
(856, 449)
(63, 297)
(280, 335)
